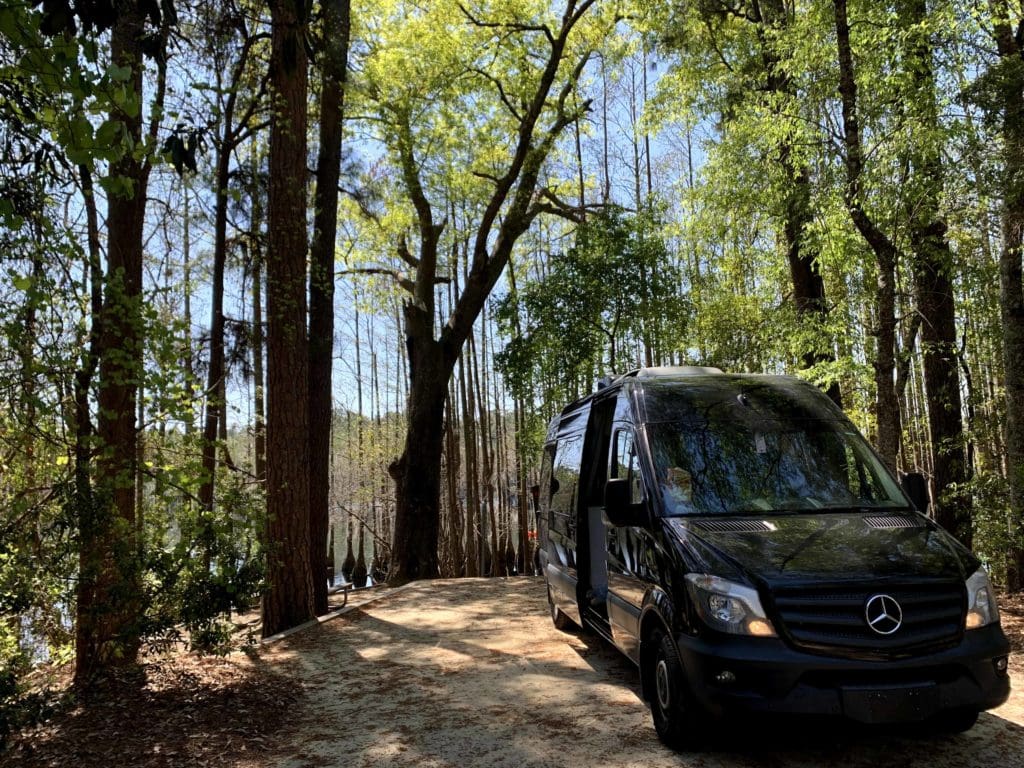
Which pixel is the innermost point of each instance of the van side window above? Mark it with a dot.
(563, 491)
(566, 476)
(624, 463)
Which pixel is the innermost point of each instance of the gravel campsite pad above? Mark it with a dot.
(455, 673)
(471, 673)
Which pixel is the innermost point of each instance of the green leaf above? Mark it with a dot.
(119, 74)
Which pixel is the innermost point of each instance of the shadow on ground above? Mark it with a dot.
(182, 711)
(471, 673)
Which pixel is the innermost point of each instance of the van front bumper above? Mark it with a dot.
(730, 674)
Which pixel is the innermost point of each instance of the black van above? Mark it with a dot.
(739, 540)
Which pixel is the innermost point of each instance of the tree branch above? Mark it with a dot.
(501, 92)
(510, 26)
(397, 275)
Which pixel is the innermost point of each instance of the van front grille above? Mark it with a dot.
(833, 619)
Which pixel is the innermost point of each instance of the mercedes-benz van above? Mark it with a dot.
(739, 540)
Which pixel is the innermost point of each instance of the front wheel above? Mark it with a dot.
(678, 719)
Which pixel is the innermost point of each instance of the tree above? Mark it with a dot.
(594, 307)
(933, 270)
(289, 597)
(887, 411)
(109, 606)
(478, 57)
(1008, 77)
(336, 26)
(239, 99)
(760, 87)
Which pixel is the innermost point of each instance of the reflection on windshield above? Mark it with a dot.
(730, 460)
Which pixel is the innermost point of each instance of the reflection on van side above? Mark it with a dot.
(739, 540)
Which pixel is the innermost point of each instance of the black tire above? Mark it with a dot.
(954, 721)
(561, 621)
(678, 719)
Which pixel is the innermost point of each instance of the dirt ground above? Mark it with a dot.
(456, 673)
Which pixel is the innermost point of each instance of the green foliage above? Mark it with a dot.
(599, 302)
(209, 566)
(992, 539)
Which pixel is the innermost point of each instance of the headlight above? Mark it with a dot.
(981, 601)
(728, 607)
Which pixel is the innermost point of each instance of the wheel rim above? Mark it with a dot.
(661, 683)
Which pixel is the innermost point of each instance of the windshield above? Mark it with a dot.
(740, 451)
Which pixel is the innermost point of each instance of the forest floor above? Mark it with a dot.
(453, 673)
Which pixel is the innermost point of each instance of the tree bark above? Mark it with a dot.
(321, 285)
(933, 283)
(289, 597)
(108, 606)
(1011, 282)
(808, 285)
(887, 410)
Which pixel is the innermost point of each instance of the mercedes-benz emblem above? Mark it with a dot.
(883, 614)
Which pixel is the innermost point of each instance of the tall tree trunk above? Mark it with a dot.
(108, 606)
(321, 285)
(215, 371)
(259, 406)
(887, 412)
(289, 597)
(417, 472)
(1011, 282)
(808, 286)
(84, 430)
(933, 282)
(188, 355)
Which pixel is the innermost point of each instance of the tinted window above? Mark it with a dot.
(625, 464)
(566, 474)
(760, 445)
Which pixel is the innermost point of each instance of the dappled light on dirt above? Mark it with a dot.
(471, 673)
(459, 673)
(178, 711)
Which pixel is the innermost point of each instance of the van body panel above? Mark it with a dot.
(772, 677)
(814, 559)
(562, 588)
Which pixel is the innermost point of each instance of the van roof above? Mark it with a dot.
(665, 375)
(664, 372)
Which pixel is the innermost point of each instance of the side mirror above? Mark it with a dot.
(618, 508)
(916, 487)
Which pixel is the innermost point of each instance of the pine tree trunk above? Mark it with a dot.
(321, 285)
(288, 601)
(108, 598)
(1011, 281)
